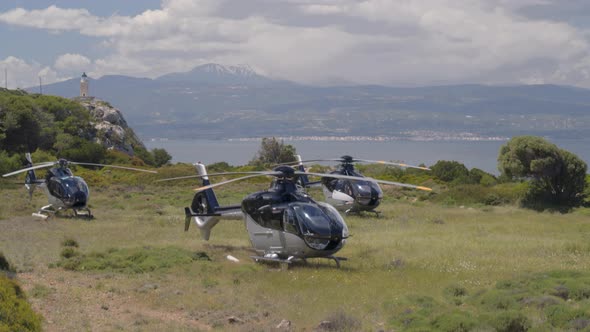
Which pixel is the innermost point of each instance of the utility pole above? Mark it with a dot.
(40, 86)
(6, 78)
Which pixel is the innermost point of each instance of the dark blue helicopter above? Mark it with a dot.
(64, 191)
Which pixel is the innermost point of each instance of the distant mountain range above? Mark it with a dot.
(215, 101)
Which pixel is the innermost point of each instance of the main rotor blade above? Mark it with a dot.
(308, 161)
(212, 174)
(357, 178)
(390, 163)
(354, 160)
(237, 179)
(43, 165)
(113, 166)
(338, 176)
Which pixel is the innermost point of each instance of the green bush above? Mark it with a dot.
(557, 177)
(86, 151)
(273, 151)
(161, 157)
(131, 260)
(455, 321)
(10, 162)
(450, 171)
(69, 242)
(510, 321)
(69, 252)
(562, 316)
(471, 194)
(341, 321)
(455, 294)
(16, 313)
(4, 264)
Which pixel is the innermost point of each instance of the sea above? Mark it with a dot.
(473, 154)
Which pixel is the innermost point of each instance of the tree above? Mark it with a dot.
(557, 177)
(273, 151)
(450, 171)
(161, 157)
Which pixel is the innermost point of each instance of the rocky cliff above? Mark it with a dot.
(112, 130)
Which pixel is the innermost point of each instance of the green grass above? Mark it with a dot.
(420, 266)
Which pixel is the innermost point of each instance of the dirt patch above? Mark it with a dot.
(78, 300)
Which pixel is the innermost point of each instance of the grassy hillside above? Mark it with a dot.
(421, 266)
(63, 128)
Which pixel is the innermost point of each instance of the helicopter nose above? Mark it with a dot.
(79, 199)
(364, 200)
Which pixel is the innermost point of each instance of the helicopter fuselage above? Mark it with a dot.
(351, 195)
(283, 222)
(290, 223)
(64, 190)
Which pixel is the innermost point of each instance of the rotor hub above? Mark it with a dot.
(286, 171)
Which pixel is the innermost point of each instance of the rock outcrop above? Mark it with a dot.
(112, 130)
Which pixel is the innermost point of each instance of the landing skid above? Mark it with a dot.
(49, 211)
(45, 212)
(360, 213)
(286, 262)
(83, 213)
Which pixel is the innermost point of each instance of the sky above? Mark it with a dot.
(319, 42)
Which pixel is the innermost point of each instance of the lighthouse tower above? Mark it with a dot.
(84, 85)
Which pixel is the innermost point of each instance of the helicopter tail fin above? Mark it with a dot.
(212, 202)
(302, 178)
(203, 207)
(31, 177)
(204, 222)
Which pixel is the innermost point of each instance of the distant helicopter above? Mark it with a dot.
(352, 195)
(64, 191)
(284, 223)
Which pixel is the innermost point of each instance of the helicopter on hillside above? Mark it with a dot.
(64, 191)
(284, 223)
(351, 196)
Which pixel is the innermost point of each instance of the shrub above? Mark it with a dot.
(161, 157)
(69, 242)
(4, 264)
(10, 162)
(561, 316)
(273, 151)
(450, 171)
(455, 321)
(341, 321)
(557, 176)
(455, 291)
(496, 299)
(131, 260)
(69, 252)
(510, 321)
(15, 312)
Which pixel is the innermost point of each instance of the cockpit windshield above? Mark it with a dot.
(320, 225)
(74, 184)
(312, 219)
(366, 188)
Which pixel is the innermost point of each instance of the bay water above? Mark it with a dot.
(478, 154)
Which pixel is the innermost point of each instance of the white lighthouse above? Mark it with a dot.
(84, 85)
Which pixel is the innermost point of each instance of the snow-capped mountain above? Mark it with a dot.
(213, 73)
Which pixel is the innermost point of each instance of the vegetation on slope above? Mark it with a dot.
(58, 127)
(15, 312)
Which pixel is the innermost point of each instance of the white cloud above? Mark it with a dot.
(52, 18)
(22, 74)
(410, 43)
(72, 62)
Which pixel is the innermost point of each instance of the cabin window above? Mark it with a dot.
(56, 189)
(271, 217)
(290, 221)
